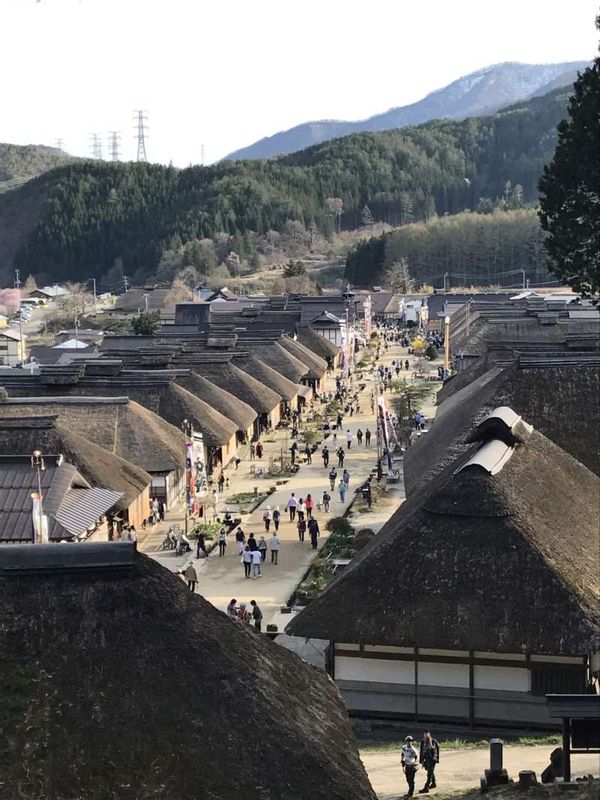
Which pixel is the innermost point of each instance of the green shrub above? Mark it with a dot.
(339, 526)
(431, 352)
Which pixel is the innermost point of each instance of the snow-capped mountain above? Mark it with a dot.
(481, 92)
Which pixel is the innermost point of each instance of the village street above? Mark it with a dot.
(461, 769)
(221, 579)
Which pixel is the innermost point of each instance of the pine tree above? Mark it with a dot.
(570, 189)
(366, 218)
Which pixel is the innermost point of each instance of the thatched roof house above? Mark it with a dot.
(492, 568)
(227, 376)
(280, 359)
(23, 435)
(227, 404)
(71, 510)
(88, 678)
(119, 425)
(318, 344)
(317, 366)
(560, 402)
(265, 374)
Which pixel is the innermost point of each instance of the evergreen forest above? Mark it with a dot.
(87, 217)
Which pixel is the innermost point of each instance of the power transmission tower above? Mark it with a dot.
(96, 145)
(114, 145)
(141, 119)
(59, 144)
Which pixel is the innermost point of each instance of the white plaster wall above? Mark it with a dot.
(340, 646)
(374, 670)
(516, 679)
(456, 675)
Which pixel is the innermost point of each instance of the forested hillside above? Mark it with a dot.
(469, 249)
(93, 213)
(27, 161)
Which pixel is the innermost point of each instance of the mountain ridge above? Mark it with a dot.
(481, 92)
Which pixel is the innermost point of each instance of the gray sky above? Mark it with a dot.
(227, 72)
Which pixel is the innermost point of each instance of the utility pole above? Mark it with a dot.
(125, 283)
(114, 140)
(95, 296)
(202, 154)
(21, 347)
(446, 275)
(141, 119)
(145, 296)
(524, 278)
(76, 333)
(96, 145)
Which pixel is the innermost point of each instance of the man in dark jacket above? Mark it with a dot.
(429, 756)
(313, 529)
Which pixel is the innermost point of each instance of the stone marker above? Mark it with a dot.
(496, 775)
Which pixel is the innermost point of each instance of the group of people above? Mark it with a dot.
(427, 757)
(241, 613)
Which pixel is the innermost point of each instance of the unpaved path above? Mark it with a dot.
(461, 769)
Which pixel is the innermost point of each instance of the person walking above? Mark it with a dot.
(325, 456)
(359, 437)
(301, 529)
(247, 561)
(191, 577)
(366, 493)
(221, 483)
(161, 510)
(368, 438)
(201, 546)
(259, 450)
(308, 454)
(240, 538)
(276, 518)
(252, 451)
(341, 455)
(332, 478)
(256, 562)
(348, 439)
(257, 615)
(429, 756)
(267, 517)
(262, 548)
(409, 761)
(275, 548)
(301, 509)
(222, 543)
(313, 529)
(310, 503)
(292, 505)
(342, 491)
(252, 543)
(346, 478)
(326, 501)
(338, 423)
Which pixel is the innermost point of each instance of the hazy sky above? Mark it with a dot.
(227, 72)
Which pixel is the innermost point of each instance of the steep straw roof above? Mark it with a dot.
(264, 373)
(317, 366)
(21, 436)
(234, 380)
(317, 343)
(227, 404)
(121, 426)
(127, 685)
(281, 360)
(477, 561)
(561, 402)
(178, 404)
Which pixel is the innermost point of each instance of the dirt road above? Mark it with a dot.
(461, 769)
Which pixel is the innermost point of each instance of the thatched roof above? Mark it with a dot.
(265, 374)
(121, 426)
(23, 435)
(125, 684)
(479, 561)
(278, 358)
(234, 380)
(178, 404)
(317, 343)
(561, 402)
(224, 402)
(317, 366)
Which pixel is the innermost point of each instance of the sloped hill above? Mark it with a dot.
(19, 163)
(481, 92)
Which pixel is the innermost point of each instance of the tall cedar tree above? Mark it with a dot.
(570, 189)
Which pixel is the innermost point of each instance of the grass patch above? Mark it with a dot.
(468, 744)
(241, 498)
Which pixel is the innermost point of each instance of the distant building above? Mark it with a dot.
(12, 347)
(47, 293)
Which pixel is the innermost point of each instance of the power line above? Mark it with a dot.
(114, 146)
(141, 119)
(96, 146)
